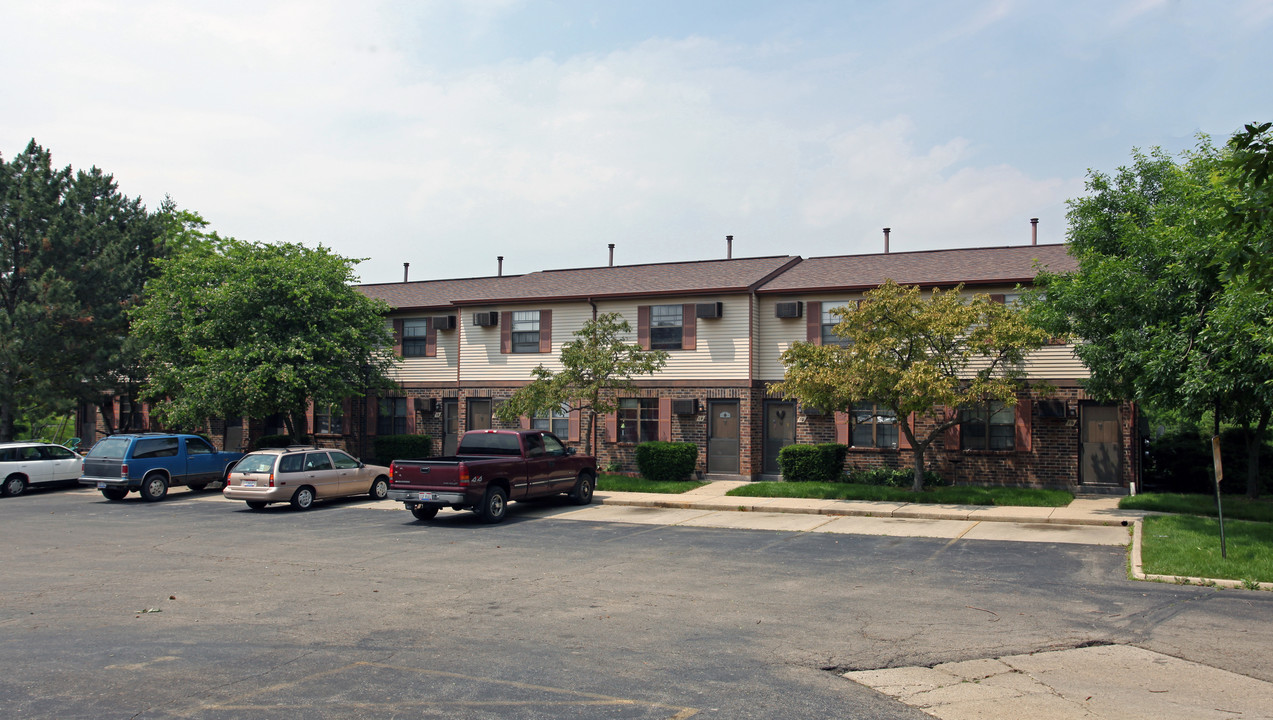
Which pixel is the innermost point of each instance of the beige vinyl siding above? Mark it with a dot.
(1056, 362)
(722, 350)
(441, 368)
(774, 335)
(481, 359)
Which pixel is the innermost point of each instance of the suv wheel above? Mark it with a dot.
(304, 498)
(154, 487)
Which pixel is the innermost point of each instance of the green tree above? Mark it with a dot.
(232, 328)
(596, 365)
(910, 353)
(1250, 213)
(74, 257)
(1162, 317)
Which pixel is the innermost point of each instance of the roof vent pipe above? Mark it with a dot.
(501, 266)
(886, 232)
(405, 266)
(729, 247)
(611, 254)
(1034, 231)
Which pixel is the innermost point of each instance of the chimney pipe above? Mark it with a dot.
(404, 271)
(501, 266)
(1034, 231)
(886, 232)
(611, 254)
(729, 247)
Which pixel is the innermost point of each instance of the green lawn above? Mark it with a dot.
(622, 483)
(1189, 546)
(1235, 506)
(962, 495)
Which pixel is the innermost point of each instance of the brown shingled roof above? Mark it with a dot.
(971, 266)
(421, 294)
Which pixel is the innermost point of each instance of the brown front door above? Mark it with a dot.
(1100, 459)
(722, 436)
(780, 431)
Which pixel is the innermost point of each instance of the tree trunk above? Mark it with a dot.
(590, 421)
(918, 484)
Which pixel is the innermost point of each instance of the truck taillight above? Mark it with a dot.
(393, 471)
(123, 470)
(464, 474)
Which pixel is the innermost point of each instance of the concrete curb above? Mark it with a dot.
(1138, 570)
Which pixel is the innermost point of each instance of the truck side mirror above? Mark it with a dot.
(570, 451)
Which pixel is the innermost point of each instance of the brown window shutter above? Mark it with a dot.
(525, 423)
(505, 333)
(572, 425)
(397, 337)
(411, 415)
(689, 327)
(1025, 417)
(545, 331)
(309, 414)
(430, 339)
(842, 427)
(612, 427)
(952, 437)
(665, 419)
(813, 321)
(903, 442)
(998, 298)
(643, 326)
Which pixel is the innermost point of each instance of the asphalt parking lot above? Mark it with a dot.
(198, 607)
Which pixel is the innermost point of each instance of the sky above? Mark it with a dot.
(447, 133)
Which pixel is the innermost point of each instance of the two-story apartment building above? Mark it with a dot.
(468, 343)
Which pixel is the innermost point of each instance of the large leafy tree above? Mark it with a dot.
(915, 353)
(74, 257)
(233, 328)
(596, 365)
(1165, 313)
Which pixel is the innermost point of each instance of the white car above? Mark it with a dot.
(23, 464)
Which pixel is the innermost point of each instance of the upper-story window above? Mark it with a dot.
(829, 321)
(414, 337)
(874, 426)
(666, 331)
(526, 331)
(988, 426)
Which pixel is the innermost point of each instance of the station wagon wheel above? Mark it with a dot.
(256, 504)
(582, 494)
(115, 494)
(154, 487)
(424, 512)
(14, 485)
(304, 498)
(379, 488)
(494, 506)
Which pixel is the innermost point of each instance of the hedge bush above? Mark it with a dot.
(666, 460)
(1180, 462)
(893, 477)
(388, 448)
(813, 463)
(281, 441)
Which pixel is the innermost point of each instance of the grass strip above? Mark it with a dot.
(622, 483)
(962, 495)
(1189, 546)
(1235, 506)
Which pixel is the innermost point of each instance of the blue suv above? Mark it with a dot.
(150, 463)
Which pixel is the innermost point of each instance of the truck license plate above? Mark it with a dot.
(249, 483)
(101, 485)
(428, 496)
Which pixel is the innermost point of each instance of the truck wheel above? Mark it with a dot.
(256, 504)
(379, 488)
(494, 506)
(154, 487)
(424, 512)
(115, 494)
(582, 494)
(13, 485)
(304, 498)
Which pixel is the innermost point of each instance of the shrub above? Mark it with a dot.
(388, 448)
(281, 441)
(813, 463)
(1180, 462)
(893, 477)
(666, 460)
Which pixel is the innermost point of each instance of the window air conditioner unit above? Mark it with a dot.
(708, 310)
(789, 309)
(486, 319)
(685, 407)
(1052, 408)
(426, 405)
(444, 322)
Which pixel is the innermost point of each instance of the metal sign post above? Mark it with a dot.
(1219, 475)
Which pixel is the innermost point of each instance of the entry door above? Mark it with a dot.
(479, 414)
(450, 425)
(1100, 461)
(780, 431)
(722, 436)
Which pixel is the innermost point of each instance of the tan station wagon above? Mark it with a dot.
(301, 475)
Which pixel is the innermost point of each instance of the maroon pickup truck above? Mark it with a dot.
(490, 468)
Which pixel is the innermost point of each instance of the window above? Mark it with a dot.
(534, 446)
(988, 426)
(638, 420)
(54, 452)
(195, 446)
(556, 422)
(155, 448)
(329, 419)
(414, 337)
(291, 463)
(874, 426)
(343, 461)
(317, 461)
(829, 321)
(391, 418)
(553, 447)
(666, 332)
(526, 331)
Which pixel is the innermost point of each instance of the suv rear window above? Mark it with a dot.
(155, 448)
(109, 448)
